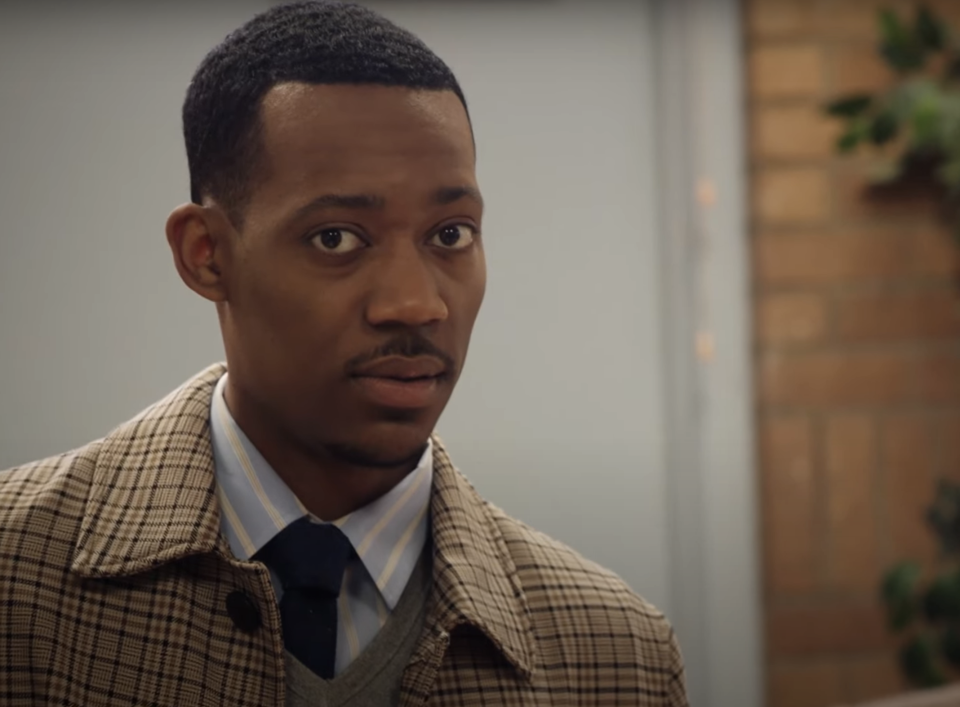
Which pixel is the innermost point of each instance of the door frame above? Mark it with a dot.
(713, 536)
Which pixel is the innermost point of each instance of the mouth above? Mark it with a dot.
(402, 383)
(406, 393)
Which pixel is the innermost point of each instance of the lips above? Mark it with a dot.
(402, 368)
(401, 382)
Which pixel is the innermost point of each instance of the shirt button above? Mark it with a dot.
(243, 611)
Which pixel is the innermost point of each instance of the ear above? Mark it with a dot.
(199, 238)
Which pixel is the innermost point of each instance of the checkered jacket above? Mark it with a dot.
(116, 588)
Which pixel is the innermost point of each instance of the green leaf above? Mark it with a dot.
(944, 517)
(903, 59)
(901, 615)
(850, 106)
(892, 29)
(849, 141)
(925, 121)
(941, 601)
(949, 173)
(898, 594)
(950, 645)
(948, 128)
(930, 30)
(900, 581)
(857, 131)
(919, 663)
(899, 47)
(884, 128)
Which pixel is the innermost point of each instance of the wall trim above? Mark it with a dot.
(715, 600)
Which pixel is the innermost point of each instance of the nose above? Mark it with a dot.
(406, 291)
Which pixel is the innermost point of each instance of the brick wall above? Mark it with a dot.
(857, 358)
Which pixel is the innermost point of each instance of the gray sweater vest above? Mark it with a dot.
(373, 679)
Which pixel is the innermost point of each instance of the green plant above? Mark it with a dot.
(917, 120)
(915, 126)
(927, 613)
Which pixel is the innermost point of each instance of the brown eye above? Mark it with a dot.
(338, 241)
(454, 237)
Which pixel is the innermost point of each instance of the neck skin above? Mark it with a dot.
(327, 487)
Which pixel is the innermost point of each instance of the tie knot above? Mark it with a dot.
(307, 555)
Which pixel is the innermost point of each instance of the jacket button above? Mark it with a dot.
(243, 611)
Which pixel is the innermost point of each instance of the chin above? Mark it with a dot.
(379, 455)
(363, 436)
(385, 444)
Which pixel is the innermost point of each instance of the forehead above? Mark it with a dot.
(339, 130)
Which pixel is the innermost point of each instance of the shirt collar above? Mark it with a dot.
(388, 534)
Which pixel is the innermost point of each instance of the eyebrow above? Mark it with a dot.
(366, 202)
(448, 195)
(341, 201)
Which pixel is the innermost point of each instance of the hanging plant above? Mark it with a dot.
(914, 126)
(927, 614)
(916, 121)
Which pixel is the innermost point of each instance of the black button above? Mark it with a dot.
(244, 612)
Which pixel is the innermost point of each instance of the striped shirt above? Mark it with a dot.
(388, 534)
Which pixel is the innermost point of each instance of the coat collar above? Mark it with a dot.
(153, 500)
(475, 579)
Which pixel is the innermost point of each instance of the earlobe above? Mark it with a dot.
(197, 242)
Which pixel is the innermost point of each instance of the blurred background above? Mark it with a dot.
(720, 351)
(857, 335)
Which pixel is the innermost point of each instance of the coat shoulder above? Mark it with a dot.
(46, 499)
(582, 613)
(547, 566)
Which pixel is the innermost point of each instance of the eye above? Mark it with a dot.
(338, 241)
(454, 237)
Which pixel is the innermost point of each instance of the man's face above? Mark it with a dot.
(353, 287)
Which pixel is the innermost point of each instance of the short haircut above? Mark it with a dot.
(318, 42)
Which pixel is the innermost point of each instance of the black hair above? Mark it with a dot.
(318, 42)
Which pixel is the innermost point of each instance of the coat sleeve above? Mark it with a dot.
(676, 679)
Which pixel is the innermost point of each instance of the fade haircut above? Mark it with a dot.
(318, 42)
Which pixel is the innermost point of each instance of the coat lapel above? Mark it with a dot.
(475, 578)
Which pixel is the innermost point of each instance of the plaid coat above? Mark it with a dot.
(117, 587)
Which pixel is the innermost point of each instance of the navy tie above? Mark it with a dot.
(309, 560)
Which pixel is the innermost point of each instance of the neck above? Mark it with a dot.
(327, 486)
(330, 492)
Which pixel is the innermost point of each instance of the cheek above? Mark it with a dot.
(474, 301)
(293, 316)
(468, 299)
(278, 301)
(477, 286)
(482, 280)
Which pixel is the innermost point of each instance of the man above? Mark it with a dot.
(285, 529)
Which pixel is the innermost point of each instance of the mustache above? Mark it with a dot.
(410, 345)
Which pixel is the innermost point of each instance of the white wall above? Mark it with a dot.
(95, 324)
